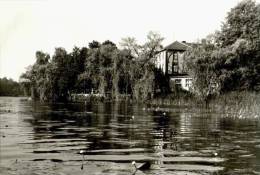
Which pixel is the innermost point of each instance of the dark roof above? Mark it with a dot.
(180, 46)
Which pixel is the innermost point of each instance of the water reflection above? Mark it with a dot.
(49, 137)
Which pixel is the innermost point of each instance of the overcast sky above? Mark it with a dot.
(27, 26)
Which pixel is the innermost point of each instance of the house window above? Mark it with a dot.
(175, 63)
(170, 65)
(188, 82)
(175, 68)
(177, 81)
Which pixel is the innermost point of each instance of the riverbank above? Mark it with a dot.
(234, 104)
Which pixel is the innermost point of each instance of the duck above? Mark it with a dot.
(142, 167)
(83, 158)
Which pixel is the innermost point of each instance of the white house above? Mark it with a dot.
(171, 61)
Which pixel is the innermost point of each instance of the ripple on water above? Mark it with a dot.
(46, 140)
(168, 152)
(257, 146)
(192, 167)
(132, 150)
(211, 160)
(119, 158)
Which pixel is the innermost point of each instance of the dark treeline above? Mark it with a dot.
(9, 87)
(100, 67)
(228, 60)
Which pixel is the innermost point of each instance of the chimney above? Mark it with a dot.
(184, 42)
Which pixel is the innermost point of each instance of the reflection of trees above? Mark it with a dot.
(165, 130)
(111, 126)
(199, 128)
(185, 123)
(185, 132)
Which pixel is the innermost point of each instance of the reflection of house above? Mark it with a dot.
(171, 61)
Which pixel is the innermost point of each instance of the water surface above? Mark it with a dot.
(38, 138)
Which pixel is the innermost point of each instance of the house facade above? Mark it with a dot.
(171, 61)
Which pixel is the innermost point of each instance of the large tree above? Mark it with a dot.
(230, 60)
(38, 77)
(242, 22)
(142, 73)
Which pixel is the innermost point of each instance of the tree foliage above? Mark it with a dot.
(225, 61)
(230, 59)
(9, 87)
(200, 66)
(100, 68)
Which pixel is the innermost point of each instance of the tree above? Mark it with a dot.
(94, 44)
(9, 87)
(146, 51)
(200, 66)
(242, 22)
(36, 78)
(61, 73)
(238, 56)
(130, 44)
(230, 59)
(101, 67)
(142, 73)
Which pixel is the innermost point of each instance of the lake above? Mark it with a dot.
(39, 138)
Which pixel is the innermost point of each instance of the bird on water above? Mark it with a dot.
(144, 166)
(83, 158)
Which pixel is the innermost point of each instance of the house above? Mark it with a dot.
(171, 61)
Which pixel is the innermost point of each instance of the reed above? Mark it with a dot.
(243, 105)
(238, 104)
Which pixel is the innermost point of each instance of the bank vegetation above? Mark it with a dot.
(224, 62)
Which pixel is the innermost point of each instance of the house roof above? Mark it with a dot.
(179, 46)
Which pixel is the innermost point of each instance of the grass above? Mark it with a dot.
(234, 104)
(238, 104)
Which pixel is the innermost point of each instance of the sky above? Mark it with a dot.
(27, 26)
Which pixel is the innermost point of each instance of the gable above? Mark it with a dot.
(178, 46)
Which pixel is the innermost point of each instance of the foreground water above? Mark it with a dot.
(46, 139)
